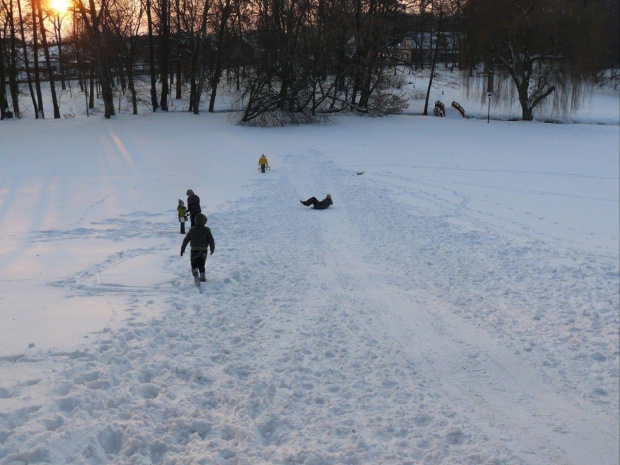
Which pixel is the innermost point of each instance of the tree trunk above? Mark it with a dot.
(91, 101)
(130, 78)
(192, 81)
(421, 52)
(35, 47)
(151, 56)
(358, 51)
(164, 58)
(48, 63)
(101, 60)
(430, 83)
(179, 52)
(78, 57)
(13, 84)
(179, 87)
(527, 113)
(199, 86)
(4, 104)
(61, 63)
(26, 59)
(365, 88)
(198, 70)
(106, 92)
(217, 73)
(433, 63)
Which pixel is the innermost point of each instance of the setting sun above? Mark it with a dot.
(60, 5)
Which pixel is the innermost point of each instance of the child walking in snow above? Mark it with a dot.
(263, 163)
(201, 241)
(193, 205)
(182, 215)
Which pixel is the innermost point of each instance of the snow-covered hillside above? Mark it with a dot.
(458, 304)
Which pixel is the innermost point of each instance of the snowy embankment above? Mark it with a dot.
(457, 304)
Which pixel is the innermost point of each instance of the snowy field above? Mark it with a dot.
(458, 304)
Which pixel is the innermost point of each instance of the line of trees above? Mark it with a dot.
(292, 61)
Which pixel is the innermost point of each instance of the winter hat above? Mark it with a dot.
(201, 219)
(190, 192)
(181, 202)
(328, 196)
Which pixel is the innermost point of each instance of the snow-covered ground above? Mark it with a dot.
(458, 304)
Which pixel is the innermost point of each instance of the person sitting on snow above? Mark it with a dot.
(318, 205)
(201, 240)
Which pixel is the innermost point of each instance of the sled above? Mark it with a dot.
(459, 108)
(440, 109)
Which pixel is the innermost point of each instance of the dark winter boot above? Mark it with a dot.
(304, 203)
(203, 278)
(196, 277)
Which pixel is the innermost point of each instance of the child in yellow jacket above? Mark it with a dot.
(182, 215)
(262, 161)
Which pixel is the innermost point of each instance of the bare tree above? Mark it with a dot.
(434, 62)
(48, 62)
(318, 57)
(276, 85)
(545, 47)
(35, 50)
(164, 61)
(11, 62)
(453, 26)
(92, 17)
(149, 20)
(4, 105)
(224, 11)
(199, 60)
(191, 37)
(25, 51)
(610, 61)
(57, 20)
(124, 20)
(180, 49)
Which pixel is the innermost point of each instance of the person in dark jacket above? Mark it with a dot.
(193, 206)
(201, 241)
(318, 205)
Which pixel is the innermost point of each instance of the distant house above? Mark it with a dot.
(419, 48)
(416, 49)
(406, 50)
(29, 50)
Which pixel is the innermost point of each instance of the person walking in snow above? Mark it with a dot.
(193, 205)
(182, 215)
(201, 241)
(318, 205)
(263, 163)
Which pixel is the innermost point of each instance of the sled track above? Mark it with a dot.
(359, 334)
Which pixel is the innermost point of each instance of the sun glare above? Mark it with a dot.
(60, 6)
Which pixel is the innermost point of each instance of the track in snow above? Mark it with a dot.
(360, 334)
